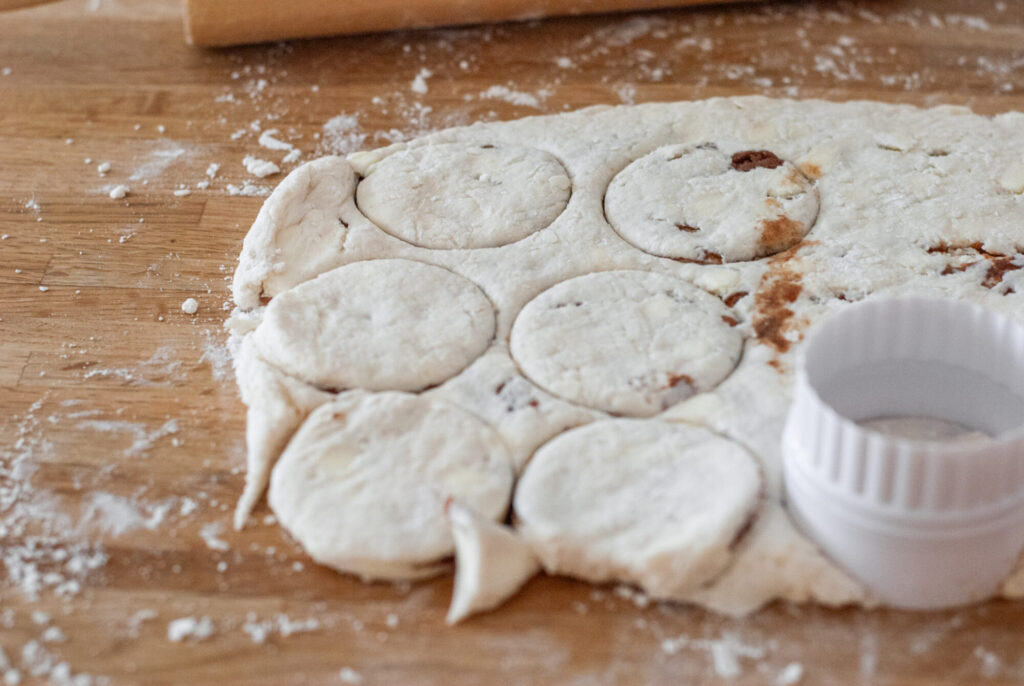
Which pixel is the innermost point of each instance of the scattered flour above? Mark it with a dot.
(515, 97)
(37, 662)
(281, 625)
(868, 657)
(991, 665)
(189, 627)
(248, 189)
(42, 549)
(54, 634)
(117, 515)
(635, 596)
(626, 93)
(725, 652)
(267, 140)
(158, 161)
(210, 533)
(341, 135)
(216, 354)
(162, 366)
(419, 84)
(136, 621)
(350, 676)
(258, 167)
(142, 437)
(790, 674)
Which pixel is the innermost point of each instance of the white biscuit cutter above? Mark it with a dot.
(923, 524)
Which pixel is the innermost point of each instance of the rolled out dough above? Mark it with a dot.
(765, 216)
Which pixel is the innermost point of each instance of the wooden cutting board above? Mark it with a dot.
(121, 433)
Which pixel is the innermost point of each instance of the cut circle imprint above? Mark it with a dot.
(389, 324)
(464, 196)
(706, 203)
(630, 343)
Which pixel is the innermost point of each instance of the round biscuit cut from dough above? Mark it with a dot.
(364, 482)
(644, 502)
(464, 195)
(705, 204)
(378, 325)
(626, 342)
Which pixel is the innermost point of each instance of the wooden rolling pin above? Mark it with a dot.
(234, 22)
(8, 5)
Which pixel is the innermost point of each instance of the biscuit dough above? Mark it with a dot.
(879, 199)
(709, 204)
(364, 482)
(299, 232)
(276, 405)
(491, 563)
(653, 504)
(627, 342)
(506, 193)
(378, 325)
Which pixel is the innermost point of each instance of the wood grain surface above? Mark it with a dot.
(121, 432)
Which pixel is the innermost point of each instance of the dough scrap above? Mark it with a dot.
(711, 204)
(300, 231)
(377, 325)
(363, 483)
(276, 405)
(464, 196)
(643, 502)
(492, 563)
(627, 342)
(775, 562)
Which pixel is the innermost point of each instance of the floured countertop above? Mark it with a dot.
(131, 167)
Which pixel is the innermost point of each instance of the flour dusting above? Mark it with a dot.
(162, 367)
(143, 438)
(157, 161)
(341, 135)
(280, 625)
(216, 354)
(197, 629)
(210, 533)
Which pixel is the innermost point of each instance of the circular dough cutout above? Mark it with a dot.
(364, 482)
(643, 502)
(379, 325)
(706, 204)
(464, 196)
(629, 342)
